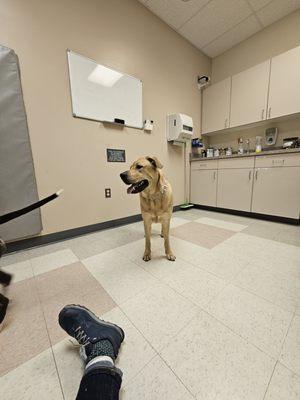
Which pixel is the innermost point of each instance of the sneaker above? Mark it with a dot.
(86, 328)
(3, 307)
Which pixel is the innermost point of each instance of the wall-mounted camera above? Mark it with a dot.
(203, 81)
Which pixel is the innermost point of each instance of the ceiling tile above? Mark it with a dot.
(175, 12)
(258, 4)
(237, 34)
(214, 19)
(277, 9)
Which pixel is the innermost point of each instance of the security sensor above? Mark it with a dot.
(203, 81)
(148, 125)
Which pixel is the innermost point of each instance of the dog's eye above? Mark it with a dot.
(139, 167)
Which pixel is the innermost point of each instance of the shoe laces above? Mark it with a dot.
(81, 337)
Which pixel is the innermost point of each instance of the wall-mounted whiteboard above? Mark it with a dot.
(103, 94)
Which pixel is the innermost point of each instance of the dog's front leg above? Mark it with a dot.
(166, 235)
(147, 227)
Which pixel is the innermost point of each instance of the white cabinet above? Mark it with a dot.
(235, 189)
(276, 191)
(204, 187)
(284, 93)
(249, 95)
(216, 106)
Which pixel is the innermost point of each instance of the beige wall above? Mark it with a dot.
(271, 41)
(71, 153)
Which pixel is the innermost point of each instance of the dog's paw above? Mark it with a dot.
(147, 257)
(171, 257)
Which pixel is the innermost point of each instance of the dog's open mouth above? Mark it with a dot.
(138, 187)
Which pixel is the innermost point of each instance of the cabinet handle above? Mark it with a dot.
(249, 175)
(256, 172)
(226, 120)
(262, 113)
(215, 175)
(269, 115)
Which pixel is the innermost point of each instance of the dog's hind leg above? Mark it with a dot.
(147, 227)
(166, 234)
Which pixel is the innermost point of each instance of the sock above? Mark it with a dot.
(101, 348)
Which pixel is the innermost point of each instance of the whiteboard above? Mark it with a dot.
(102, 94)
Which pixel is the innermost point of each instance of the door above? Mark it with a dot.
(249, 95)
(235, 188)
(204, 187)
(284, 94)
(276, 191)
(216, 106)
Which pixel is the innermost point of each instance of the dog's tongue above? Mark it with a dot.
(130, 189)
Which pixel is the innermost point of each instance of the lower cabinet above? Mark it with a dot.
(204, 187)
(276, 191)
(235, 188)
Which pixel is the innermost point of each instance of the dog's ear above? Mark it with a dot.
(155, 162)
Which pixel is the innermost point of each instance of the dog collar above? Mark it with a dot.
(162, 191)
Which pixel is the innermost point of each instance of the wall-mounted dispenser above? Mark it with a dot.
(180, 128)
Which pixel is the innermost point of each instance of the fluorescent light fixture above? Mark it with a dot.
(104, 76)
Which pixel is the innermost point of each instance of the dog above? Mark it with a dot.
(146, 178)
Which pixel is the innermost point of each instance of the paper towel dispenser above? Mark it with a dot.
(179, 127)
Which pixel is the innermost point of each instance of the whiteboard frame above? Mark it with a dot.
(98, 120)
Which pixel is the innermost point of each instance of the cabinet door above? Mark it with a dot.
(204, 187)
(284, 95)
(276, 191)
(216, 106)
(249, 95)
(235, 188)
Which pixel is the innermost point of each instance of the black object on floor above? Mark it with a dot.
(3, 307)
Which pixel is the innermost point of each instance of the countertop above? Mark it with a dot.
(252, 154)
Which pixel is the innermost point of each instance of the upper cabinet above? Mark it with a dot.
(249, 95)
(265, 91)
(216, 106)
(284, 93)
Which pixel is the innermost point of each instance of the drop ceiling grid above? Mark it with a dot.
(215, 26)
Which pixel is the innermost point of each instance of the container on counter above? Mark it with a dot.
(210, 152)
(258, 144)
(216, 153)
(228, 151)
(247, 147)
(240, 146)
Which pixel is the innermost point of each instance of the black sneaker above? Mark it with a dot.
(3, 307)
(86, 328)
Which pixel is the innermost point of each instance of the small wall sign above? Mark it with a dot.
(115, 155)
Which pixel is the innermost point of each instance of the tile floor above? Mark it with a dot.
(221, 323)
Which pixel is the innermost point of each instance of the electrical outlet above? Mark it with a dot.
(107, 192)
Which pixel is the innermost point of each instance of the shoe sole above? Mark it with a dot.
(95, 318)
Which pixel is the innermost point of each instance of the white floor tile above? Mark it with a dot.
(70, 367)
(257, 320)
(214, 363)
(222, 224)
(36, 379)
(52, 261)
(284, 385)
(121, 278)
(20, 271)
(155, 382)
(188, 251)
(135, 351)
(290, 354)
(224, 262)
(192, 282)
(159, 314)
(281, 289)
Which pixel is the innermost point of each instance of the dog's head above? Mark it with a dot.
(142, 173)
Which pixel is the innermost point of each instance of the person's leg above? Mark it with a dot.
(100, 342)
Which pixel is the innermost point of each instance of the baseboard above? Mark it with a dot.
(274, 218)
(42, 240)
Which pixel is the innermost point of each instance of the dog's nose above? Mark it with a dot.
(124, 177)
